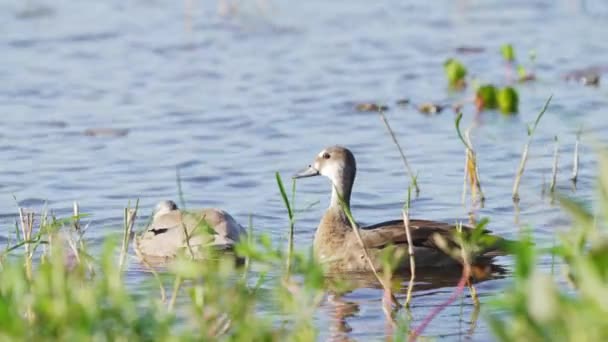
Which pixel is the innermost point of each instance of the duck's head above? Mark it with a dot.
(164, 207)
(336, 163)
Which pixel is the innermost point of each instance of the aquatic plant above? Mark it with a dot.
(576, 157)
(508, 53)
(471, 172)
(554, 167)
(410, 246)
(53, 294)
(507, 100)
(564, 306)
(413, 177)
(455, 73)
(524, 155)
(489, 97)
(485, 97)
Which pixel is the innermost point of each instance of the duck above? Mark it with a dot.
(165, 237)
(337, 247)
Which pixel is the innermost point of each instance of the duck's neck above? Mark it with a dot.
(341, 190)
(338, 196)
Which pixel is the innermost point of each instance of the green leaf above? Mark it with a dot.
(581, 215)
(457, 124)
(539, 116)
(508, 53)
(455, 72)
(521, 72)
(508, 100)
(485, 97)
(525, 257)
(284, 195)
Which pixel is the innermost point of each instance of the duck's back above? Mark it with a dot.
(337, 245)
(169, 233)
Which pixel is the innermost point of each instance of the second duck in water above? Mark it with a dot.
(173, 230)
(335, 243)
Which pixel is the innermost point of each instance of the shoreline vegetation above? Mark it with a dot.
(52, 287)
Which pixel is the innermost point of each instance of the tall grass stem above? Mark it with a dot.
(524, 156)
(414, 177)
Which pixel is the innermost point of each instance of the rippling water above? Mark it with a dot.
(230, 99)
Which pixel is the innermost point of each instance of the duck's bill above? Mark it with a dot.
(307, 172)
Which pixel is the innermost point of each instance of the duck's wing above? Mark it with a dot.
(422, 232)
(224, 227)
(164, 237)
(175, 230)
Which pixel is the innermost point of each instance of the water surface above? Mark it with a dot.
(230, 99)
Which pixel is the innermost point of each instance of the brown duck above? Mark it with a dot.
(173, 230)
(336, 244)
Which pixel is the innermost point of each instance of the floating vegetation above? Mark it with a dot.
(508, 53)
(523, 75)
(469, 50)
(588, 76)
(402, 102)
(485, 98)
(106, 132)
(538, 307)
(370, 107)
(455, 72)
(508, 100)
(488, 97)
(430, 108)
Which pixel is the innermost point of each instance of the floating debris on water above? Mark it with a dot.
(588, 76)
(106, 132)
(370, 107)
(469, 50)
(457, 107)
(430, 108)
(402, 102)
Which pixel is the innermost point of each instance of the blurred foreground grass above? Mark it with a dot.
(572, 303)
(51, 289)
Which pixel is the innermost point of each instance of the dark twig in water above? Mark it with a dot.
(407, 165)
(555, 162)
(180, 192)
(576, 157)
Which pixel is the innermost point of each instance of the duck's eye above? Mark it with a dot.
(326, 155)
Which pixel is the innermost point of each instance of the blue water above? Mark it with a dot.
(230, 97)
